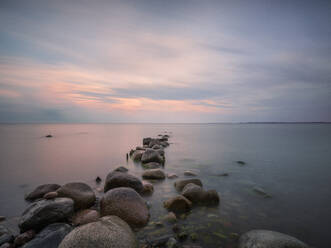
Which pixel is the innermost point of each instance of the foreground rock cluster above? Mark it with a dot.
(71, 216)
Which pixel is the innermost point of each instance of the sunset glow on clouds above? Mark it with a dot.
(158, 61)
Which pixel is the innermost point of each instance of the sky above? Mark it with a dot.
(168, 61)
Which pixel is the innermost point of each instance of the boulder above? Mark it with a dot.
(269, 239)
(156, 147)
(51, 195)
(193, 192)
(140, 148)
(81, 193)
(121, 169)
(44, 212)
(136, 155)
(171, 175)
(121, 179)
(126, 204)
(178, 204)
(154, 174)
(85, 216)
(210, 197)
(146, 141)
(41, 190)
(50, 237)
(148, 188)
(5, 235)
(179, 185)
(23, 238)
(151, 165)
(170, 217)
(108, 232)
(151, 155)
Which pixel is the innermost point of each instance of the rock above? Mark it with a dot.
(126, 204)
(170, 217)
(161, 152)
(190, 173)
(178, 204)
(172, 243)
(48, 136)
(153, 174)
(44, 212)
(223, 174)
(146, 141)
(182, 236)
(261, 192)
(210, 197)
(151, 155)
(85, 216)
(24, 238)
(148, 188)
(192, 246)
(179, 185)
(121, 169)
(121, 179)
(158, 241)
(7, 245)
(136, 156)
(131, 152)
(108, 232)
(51, 195)
(98, 180)
(193, 192)
(241, 162)
(81, 193)
(269, 239)
(172, 176)
(6, 235)
(151, 165)
(194, 237)
(139, 148)
(41, 190)
(2, 218)
(50, 237)
(156, 147)
(164, 143)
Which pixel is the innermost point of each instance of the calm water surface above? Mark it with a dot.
(292, 162)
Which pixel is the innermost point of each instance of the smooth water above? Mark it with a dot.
(292, 162)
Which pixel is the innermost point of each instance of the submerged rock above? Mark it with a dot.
(127, 204)
(269, 239)
(151, 155)
(179, 185)
(85, 216)
(44, 212)
(81, 193)
(193, 192)
(154, 174)
(151, 165)
(261, 192)
(241, 162)
(2, 218)
(172, 176)
(190, 173)
(121, 179)
(170, 217)
(50, 237)
(48, 136)
(178, 204)
(108, 232)
(5, 235)
(41, 190)
(210, 197)
(146, 141)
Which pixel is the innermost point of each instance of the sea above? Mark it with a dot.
(291, 163)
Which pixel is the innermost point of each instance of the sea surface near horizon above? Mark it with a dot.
(291, 162)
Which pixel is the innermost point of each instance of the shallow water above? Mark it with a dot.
(291, 162)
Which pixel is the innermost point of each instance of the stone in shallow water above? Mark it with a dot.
(41, 190)
(5, 235)
(154, 174)
(121, 179)
(24, 238)
(193, 192)
(136, 155)
(148, 188)
(179, 185)
(269, 239)
(151, 155)
(178, 204)
(151, 165)
(190, 173)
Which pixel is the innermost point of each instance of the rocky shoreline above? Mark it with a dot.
(71, 215)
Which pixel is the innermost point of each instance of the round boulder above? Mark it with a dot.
(121, 179)
(269, 239)
(151, 155)
(85, 216)
(108, 232)
(126, 204)
(41, 190)
(136, 155)
(179, 185)
(81, 193)
(148, 188)
(153, 174)
(210, 197)
(193, 192)
(178, 204)
(121, 169)
(151, 165)
(44, 212)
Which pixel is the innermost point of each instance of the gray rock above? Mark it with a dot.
(178, 204)
(151, 165)
(41, 190)
(156, 147)
(121, 169)
(193, 192)
(7, 245)
(269, 239)
(81, 193)
(136, 155)
(148, 188)
(179, 185)
(153, 174)
(126, 204)
(146, 141)
(50, 237)
(172, 176)
(2, 218)
(151, 155)
(23, 238)
(108, 232)
(85, 216)
(44, 212)
(5, 235)
(51, 195)
(120, 179)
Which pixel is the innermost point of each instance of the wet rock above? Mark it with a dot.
(170, 217)
(261, 192)
(172, 176)
(164, 143)
(51, 195)
(151, 155)
(131, 152)
(24, 238)
(210, 197)
(241, 162)
(98, 180)
(41, 190)
(6, 235)
(146, 141)
(194, 237)
(136, 156)
(139, 148)
(7, 245)
(85, 216)
(121, 169)
(2, 218)
(223, 174)
(81, 193)
(121, 179)
(48, 136)
(151, 165)
(269, 239)
(108, 232)
(148, 188)
(50, 237)
(178, 204)
(182, 236)
(172, 243)
(193, 192)
(190, 173)
(44, 212)
(127, 204)
(161, 152)
(154, 174)
(179, 185)
(156, 147)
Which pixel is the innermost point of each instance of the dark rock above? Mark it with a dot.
(193, 192)
(51, 195)
(2, 218)
(139, 148)
(50, 237)
(210, 197)
(182, 236)
(172, 176)
(190, 173)
(176, 228)
(146, 141)
(269, 239)
(108, 232)
(172, 243)
(41, 190)
(241, 162)
(81, 193)
(156, 147)
(151, 155)
(49, 136)
(178, 204)
(121, 179)
(126, 204)
(44, 212)
(7, 245)
(98, 180)
(23, 238)
(148, 188)
(223, 174)
(158, 241)
(170, 217)
(192, 246)
(136, 156)
(131, 152)
(6, 235)
(153, 174)
(85, 216)
(121, 169)
(179, 185)
(151, 165)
